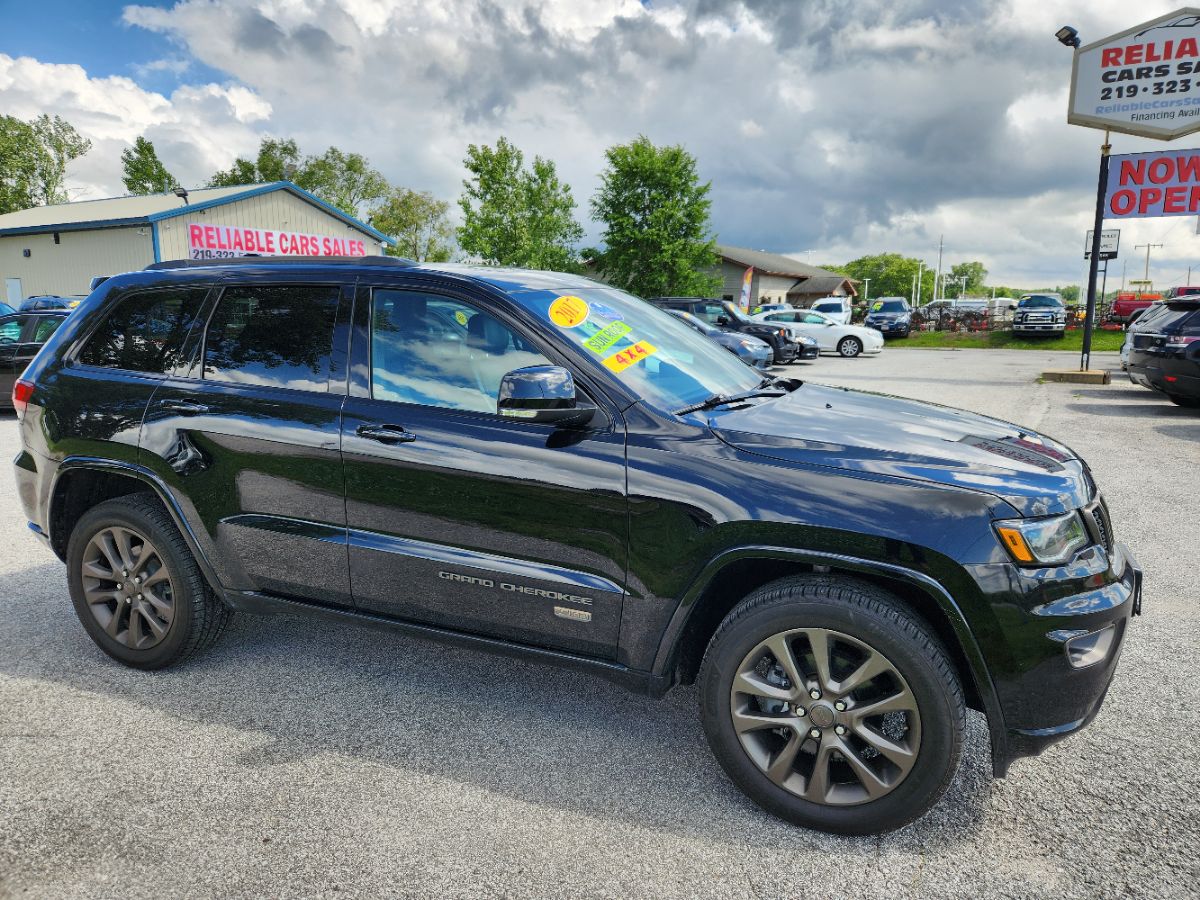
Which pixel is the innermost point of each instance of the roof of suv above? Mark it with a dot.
(498, 276)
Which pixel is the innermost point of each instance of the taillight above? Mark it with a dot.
(22, 391)
(1180, 341)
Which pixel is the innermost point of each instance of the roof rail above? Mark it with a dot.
(389, 261)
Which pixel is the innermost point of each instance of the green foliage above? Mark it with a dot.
(513, 216)
(33, 160)
(1004, 339)
(974, 274)
(656, 222)
(419, 223)
(891, 275)
(1069, 292)
(144, 173)
(344, 180)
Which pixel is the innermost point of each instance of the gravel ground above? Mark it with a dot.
(299, 759)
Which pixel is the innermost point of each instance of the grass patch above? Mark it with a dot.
(1004, 340)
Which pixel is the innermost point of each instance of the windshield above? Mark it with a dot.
(828, 307)
(699, 324)
(1039, 302)
(657, 356)
(5, 309)
(889, 306)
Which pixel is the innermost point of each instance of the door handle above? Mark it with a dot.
(387, 434)
(184, 407)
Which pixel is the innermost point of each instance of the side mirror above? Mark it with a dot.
(544, 394)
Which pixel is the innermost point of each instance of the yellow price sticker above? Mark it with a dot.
(569, 311)
(623, 359)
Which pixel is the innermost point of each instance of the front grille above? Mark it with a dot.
(1099, 523)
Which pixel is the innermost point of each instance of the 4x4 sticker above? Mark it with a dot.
(623, 359)
(606, 337)
(569, 311)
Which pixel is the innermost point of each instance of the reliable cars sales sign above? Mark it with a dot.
(224, 241)
(1144, 81)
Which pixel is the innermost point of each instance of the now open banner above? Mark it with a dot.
(225, 241)
(1147, 185)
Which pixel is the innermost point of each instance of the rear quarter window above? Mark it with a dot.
(146, 330)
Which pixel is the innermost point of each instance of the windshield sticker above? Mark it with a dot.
(606, 312)
(460, 317)
(877, 306)
(623, 359)
(569, 311)
(606, 337)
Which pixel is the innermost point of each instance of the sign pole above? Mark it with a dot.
(1094, 263)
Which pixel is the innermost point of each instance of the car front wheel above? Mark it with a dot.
(850, 347)
(832, 706)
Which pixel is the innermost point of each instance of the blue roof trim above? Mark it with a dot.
(208, 204)
(268, 189)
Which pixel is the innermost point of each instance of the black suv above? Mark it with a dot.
(723, 314)
(536, 464)
(1165, 350)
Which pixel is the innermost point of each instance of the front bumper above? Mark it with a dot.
(900, 327)
(1043, 696)
(809, 351)
(1039, 327)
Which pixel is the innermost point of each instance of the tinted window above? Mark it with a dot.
(145, 332)
(828, 307)
(1040, 302)
(46, 326)
(10, 330)
(889, 306)
(438, 351)
(272, 335)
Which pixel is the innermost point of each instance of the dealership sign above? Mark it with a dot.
(225, 241)
(1146, 185)
(1144, 81)
(1110, 238)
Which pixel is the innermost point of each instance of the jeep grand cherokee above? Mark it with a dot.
(536, 464)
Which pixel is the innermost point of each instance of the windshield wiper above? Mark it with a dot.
(721, 399)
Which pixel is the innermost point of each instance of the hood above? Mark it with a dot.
(734, 339)
(881, 435)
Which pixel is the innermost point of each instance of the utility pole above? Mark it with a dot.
(920, 272)
(938, 277)
(866, 289)
(1146, 277)
(1125, 267)
(913, 293)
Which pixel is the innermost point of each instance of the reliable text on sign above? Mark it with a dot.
(223, 241)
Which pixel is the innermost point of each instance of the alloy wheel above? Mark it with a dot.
(849, 347)
(128, 588)
(825, 716)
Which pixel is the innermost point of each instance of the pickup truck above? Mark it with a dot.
(1128, 306)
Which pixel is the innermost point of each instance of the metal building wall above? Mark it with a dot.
(278, 210)
(68, 266)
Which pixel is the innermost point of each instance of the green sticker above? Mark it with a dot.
(606, 337)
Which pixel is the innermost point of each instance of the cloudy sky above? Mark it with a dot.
(833, 127)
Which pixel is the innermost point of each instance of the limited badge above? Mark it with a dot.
(623, 359)
(606, 337)
(568, 312)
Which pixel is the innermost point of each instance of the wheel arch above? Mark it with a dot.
(734, 574)
(81, 483)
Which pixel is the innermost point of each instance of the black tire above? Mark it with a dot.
(199, 616)
(876, 618)
(1189, 402)
(850, 347)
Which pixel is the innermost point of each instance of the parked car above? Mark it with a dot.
(1128, 306)
(745, 347)
(22, 335)
(890, 316)
(1165, 352)
(583, 481)
(1040, 314)
(5, 309)
(830, 335)
(723, 314)
(770, 307)
(837, 308)
(50, 301)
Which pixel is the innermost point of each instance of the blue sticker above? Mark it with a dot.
(606, 312)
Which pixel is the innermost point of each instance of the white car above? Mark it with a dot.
(837, 308)
(831, 336)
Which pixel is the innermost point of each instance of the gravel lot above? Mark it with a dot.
(301, 760)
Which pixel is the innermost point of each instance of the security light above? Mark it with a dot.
(182, 194)
(1067, 36)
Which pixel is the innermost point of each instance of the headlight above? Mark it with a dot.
(1043, 541)
(746, 345)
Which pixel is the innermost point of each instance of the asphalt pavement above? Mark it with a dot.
(302, 759)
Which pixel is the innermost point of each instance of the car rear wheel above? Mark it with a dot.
(850, 347)
(137, 588)
(832, 706)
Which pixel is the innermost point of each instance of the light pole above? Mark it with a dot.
(866, 289)
(920, 272)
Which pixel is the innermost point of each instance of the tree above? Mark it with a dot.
(419, 222)
(513, 216)
(974, 275)
(656, 227)
(891, 274)
(144, 173)
(344, 180)
(33, 160)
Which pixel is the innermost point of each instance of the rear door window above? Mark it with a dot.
(272, 335)
(46, 326)
(146, 331)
